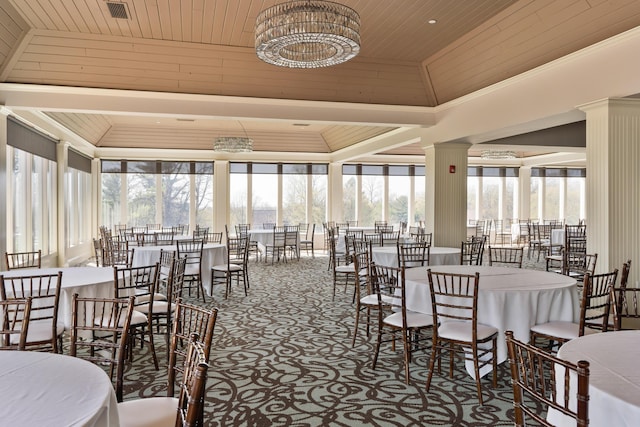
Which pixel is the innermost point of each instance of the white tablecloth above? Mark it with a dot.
(45, 389)
(212, 254)
(508, 298)
(557, 236)
(614, 377)
(388, 256)
(262, 237)
(88, 282)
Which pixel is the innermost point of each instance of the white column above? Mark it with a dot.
(478, 210)
(249, 219)
(542, 191)
(309, 210)
(61, 160)
(334, 193)
(385, 198)
(613, 193)
(159, 214)
(411, 203)
(563, 199)
(193, 214)
(96, 198)
(446, 197)
(221, 196)
(4, 179)
(524, 192)
(502, 193)
(279, 213)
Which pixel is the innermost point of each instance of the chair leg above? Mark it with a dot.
(201, 289)
(407, 355)
(495, 363)
(355, 326)
(153, 347)
(244, 281)
(435, 353)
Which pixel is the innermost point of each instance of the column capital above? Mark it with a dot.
(448, 146)
(631, 104)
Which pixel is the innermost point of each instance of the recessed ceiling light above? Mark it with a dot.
(301, 124)
(432, 21)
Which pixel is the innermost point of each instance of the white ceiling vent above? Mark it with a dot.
(118, 10)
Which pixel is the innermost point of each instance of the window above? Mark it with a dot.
(238, 193)
(265, 190)
(559, 193)
(138, 193)
(78, 199)
(32, 184)
(394, 193)
(284, 193)
(491, 192)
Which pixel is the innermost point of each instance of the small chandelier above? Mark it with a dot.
(233, 144)
(307, 34)
(497, 155)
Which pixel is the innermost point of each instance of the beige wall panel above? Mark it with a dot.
(522, 37)
(12, 28)
(91, 127)
(153, 65)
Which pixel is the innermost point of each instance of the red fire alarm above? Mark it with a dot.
(452, 168)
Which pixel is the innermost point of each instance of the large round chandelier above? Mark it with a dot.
(307, 34)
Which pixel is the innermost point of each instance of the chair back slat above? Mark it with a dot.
(99, 334)
(413, 254)
(18, 260)
(15, 314)
(597, 297)
(189, 320)
(44, 291)
(540, 379)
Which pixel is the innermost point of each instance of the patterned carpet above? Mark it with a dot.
(282, 356)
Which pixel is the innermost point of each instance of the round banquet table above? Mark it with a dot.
(614, 378)
(212, 254)
(262, 236)
(388, 256)
(46, 389)
(87, 282)
(508, 298)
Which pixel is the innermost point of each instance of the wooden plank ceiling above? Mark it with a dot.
(206, 47)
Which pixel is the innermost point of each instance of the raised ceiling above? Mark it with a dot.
(206, 47)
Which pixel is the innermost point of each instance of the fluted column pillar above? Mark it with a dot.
(446, 192)
(612, 190)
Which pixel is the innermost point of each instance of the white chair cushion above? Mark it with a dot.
(148, 412)
(156, 297)
(191, 269)
(414, 319)
(227, 267)
(138, 318)
(158, 307)
(39, 330)
(369, 300)
(461, 331)
(564, 330)
(344, 269)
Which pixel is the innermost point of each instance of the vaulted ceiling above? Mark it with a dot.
(206, 48)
